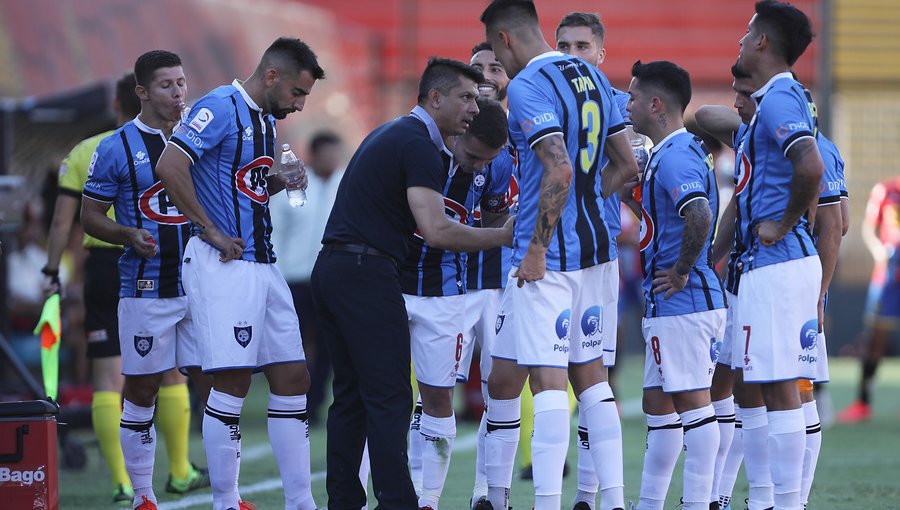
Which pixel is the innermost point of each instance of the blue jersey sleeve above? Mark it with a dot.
(207, 125)
(534, 110)
(103, 173)
(617, 121)
(683, 174)
(833, 186)
(785, 116)
(622, 99)
(496, 197)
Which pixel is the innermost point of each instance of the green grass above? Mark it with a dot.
(859, 466)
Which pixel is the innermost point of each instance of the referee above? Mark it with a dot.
(391, 188)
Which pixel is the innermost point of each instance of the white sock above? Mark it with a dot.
(481, 485)
(605, 433)
(725, 416)
(787, 443)
(438, 435)
(415, 447)
(500, 443)
(222, 442)
(701, 442)
(138, 437)
(733, 461)
(289, 437)
(665, 438)
(549, 445)
(587, 475)
(756, 458)
(364, 469)
(813, 446)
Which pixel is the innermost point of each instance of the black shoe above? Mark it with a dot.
(483, 504)
(714, 505)
(581, 505)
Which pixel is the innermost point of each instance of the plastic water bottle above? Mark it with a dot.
(642, 157)
(290, 173)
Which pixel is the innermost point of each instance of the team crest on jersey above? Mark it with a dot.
(156, 206)
(251, 179)
(743, 172)
(647, 230)
(592, 321)
(478, 180)
(499, 324)
(243, 333)
(143, 344)
(563, 323)
(809, 335)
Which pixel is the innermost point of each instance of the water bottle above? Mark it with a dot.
(642, 157)
(290, 174)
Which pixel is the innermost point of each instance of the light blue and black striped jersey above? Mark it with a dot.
(488, 269)
(613, 204)
(741, 161)
(122, 173)
(554, 95)
(680, 171)
(834, 187)
(231, 144)
(429, 271)
(783, 117)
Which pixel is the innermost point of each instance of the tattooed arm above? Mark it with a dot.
(697, 222)
(555, 183)
(807, 175)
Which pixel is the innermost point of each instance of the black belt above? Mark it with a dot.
(359, 249)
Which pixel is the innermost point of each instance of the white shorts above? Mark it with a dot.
(557, 320)
(726, 350)
(156, 335)
(436, 337)
(243, 311)
(778, 318)
(681, 350)
(822, 373)
(481, 328)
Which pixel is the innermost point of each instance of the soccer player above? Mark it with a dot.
(881, 233)
(684, 315)
(582, 34)
(215, 170)
(101, 324)
(783, 177)
(154, 322)
(486, 270)
(562, 120)
(391, 188)
(433, 283)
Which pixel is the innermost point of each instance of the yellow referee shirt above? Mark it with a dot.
(73, 173)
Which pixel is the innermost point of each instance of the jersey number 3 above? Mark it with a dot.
(590, 122)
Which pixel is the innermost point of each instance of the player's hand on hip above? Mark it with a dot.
(230, 248)
(668, 281)
(533, 266)
(143, 243)
(769, 232)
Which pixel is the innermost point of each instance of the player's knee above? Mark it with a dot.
(437, 402)
(288, 379)
(233, 382)
(503, 382)
(585, 375)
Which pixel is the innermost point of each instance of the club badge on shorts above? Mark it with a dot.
(143, 344)
(499, 324)
(243, 333)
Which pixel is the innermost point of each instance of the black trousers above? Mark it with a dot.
(363, 321)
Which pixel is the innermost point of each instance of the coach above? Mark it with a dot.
(391, 188)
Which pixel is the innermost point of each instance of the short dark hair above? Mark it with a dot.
(442, 74)
(584, 19)
(509, 11)
(671, 79)
(787, 28)
(490, 126)
(738, 73)
(323, 138)
(291, 55)
(482, 46)
(147, 64)
(129, 102)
